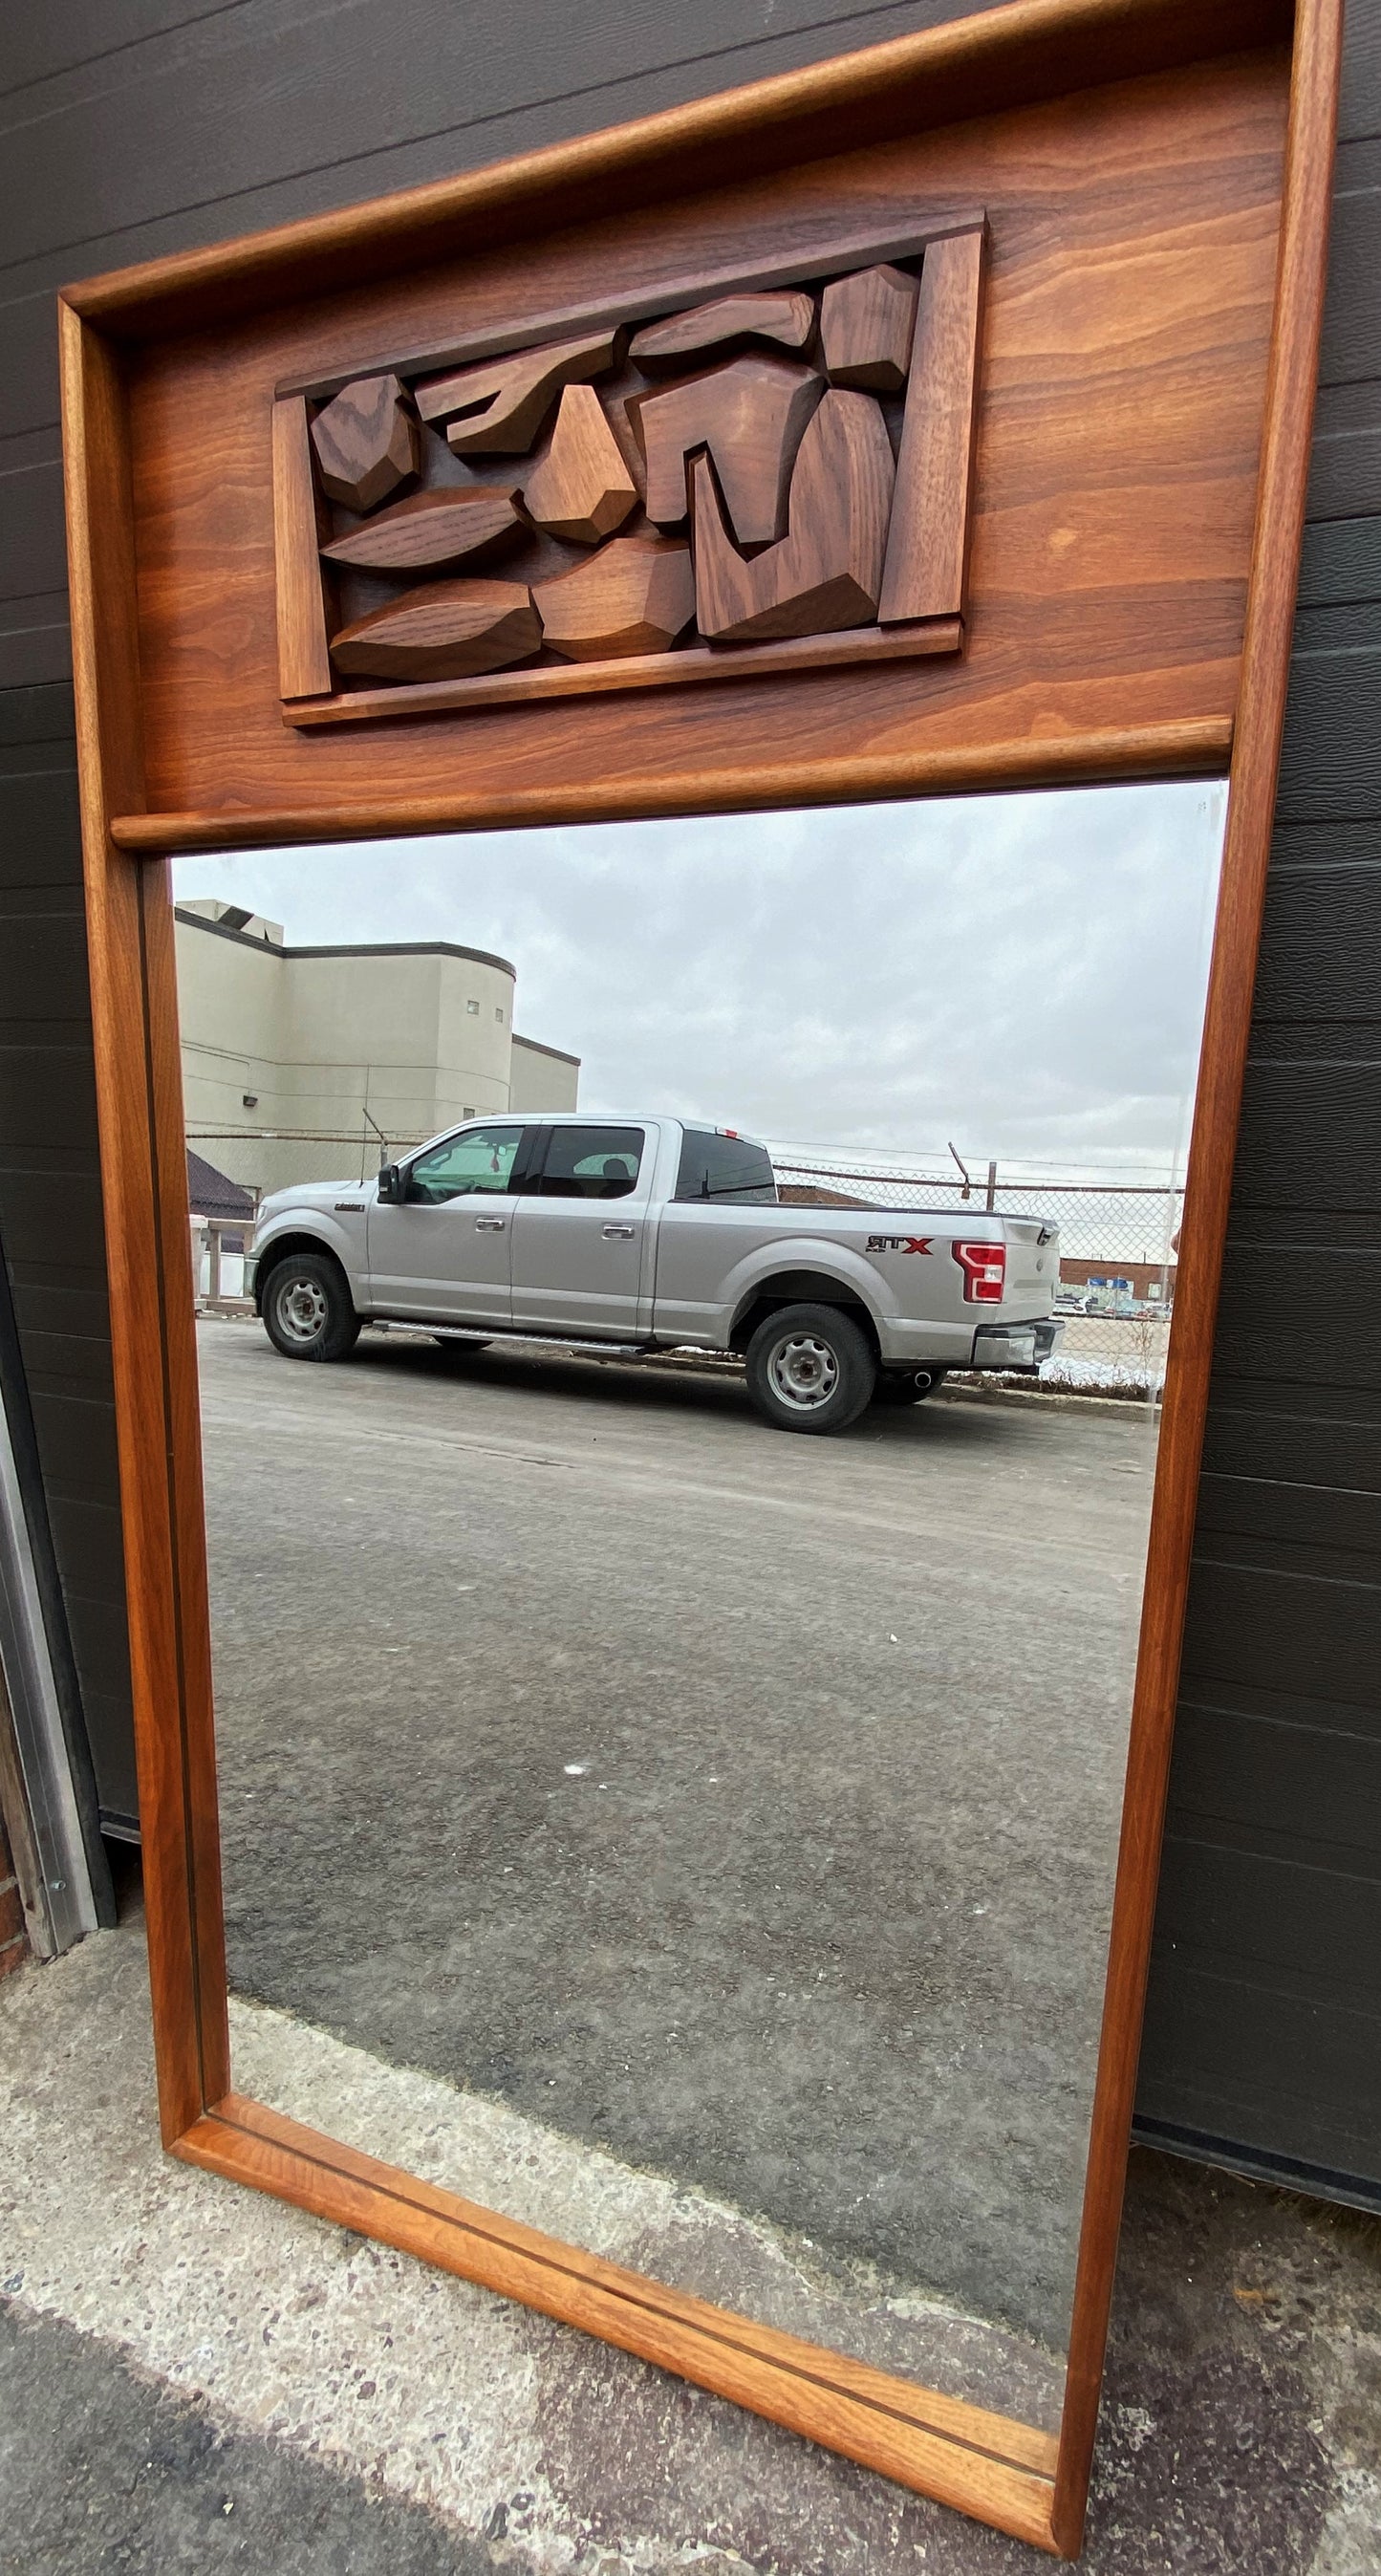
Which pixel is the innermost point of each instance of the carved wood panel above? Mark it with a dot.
(658, 498)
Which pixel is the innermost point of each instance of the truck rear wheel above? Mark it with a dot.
(307, 1310)
(810, 1369)
(907, 1386)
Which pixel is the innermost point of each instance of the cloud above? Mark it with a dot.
(1024, 974)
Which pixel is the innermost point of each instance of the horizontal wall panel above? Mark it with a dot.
(1250, 1910)
(43, 1212)
(87, 1538)
(43, 969)
(110, 1725)
(1341, 561)
(1322, 941)
(1321, 1520)
(84, 33)
(1259, 1770)
(33, 537)
(1345, 466)
(1359, 103)
(219, 113)
(1312, 1139)
(1311, 1436)
(1351, 346)
(35, 641)
(1333, 702)
(1283, 1631)
(47, 1097)
(36, 715)
(1237, 2059)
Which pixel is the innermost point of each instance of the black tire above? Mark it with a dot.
(831, 1367)
(908, 1386)
(306, 1308)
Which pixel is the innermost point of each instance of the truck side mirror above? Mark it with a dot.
(390, 1185)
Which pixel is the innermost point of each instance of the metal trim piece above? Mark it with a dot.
(26, 1658)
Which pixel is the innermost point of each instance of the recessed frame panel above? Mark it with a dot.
(1155, 182)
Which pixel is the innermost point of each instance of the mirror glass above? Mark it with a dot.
(677, 1547)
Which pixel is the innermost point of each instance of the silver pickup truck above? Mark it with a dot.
(650, 1234)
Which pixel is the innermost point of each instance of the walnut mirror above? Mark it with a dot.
(812, 646)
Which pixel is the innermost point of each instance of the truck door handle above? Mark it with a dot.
(489, 1224)
(627, 1232)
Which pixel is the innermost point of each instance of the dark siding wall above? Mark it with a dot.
(129, 128)
(134, 127)
(1265, 2016)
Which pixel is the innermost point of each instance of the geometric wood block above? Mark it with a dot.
(785, 317)
(497, 408)
(866, 322)
(444, 631)
(750, 414)
(827, 570)
(430, 528)
(635, 596)
(928, 544)
(582, 489)
(366, 442)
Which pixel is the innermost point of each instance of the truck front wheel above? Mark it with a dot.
(307, 1310)
(810, 1369)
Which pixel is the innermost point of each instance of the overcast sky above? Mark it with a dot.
(1024, 974)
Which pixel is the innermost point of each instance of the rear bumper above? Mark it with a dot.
(1015, 1346)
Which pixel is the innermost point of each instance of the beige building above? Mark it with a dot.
(293, 1058)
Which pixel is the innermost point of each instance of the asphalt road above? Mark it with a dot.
(747, 1805)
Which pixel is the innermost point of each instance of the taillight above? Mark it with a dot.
(984, 1266)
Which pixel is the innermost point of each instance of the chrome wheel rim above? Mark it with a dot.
(802, 1371)
(300, 1310)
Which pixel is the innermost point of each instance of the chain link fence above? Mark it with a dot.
(1117, 1259)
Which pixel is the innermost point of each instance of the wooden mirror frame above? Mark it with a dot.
(1023, 2481)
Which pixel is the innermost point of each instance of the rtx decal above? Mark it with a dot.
(899, 1243)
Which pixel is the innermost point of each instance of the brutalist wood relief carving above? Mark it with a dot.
(773, 476)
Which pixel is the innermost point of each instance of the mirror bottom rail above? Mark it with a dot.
(987, 2465)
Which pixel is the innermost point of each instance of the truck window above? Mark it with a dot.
(727, 1168)
(481, 1159)
(591, 1163)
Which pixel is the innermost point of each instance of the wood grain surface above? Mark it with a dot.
(866, 327)
(981, 2462)
(497, 409)
(827, 570)
(928, 541)
(635, 596)
(304, 658)
(144, 1175)
(429, 528)
(1180, 750)
(581, 488)
(1129, 302)
(749, 415)
(443, 630)
(366, 442)
(783, 317)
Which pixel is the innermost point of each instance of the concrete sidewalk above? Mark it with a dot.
(192, 2377)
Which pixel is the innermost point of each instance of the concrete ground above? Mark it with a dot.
(744, 1806)
(197, 2379)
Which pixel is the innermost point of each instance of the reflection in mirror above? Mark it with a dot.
(674, 1628)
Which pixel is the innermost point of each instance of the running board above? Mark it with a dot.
(543, 1341)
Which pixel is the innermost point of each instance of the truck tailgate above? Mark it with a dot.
(1033, 1266)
